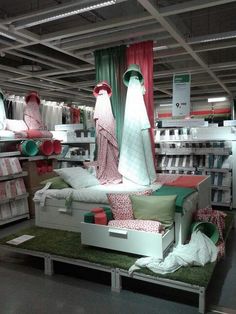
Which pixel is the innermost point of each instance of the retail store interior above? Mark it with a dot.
(117, 156)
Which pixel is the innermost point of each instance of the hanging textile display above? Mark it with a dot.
(2, 111)
(142, 54)
(32, 116)
(15, 107)
(110, 66)
(136, 159)
(8, 108)
(107, 147)
(51, 114)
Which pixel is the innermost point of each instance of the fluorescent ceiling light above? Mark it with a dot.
(217, 99)
(165, 105)
(160, 48)
(7, 36)
(212, 37)
(70, 13)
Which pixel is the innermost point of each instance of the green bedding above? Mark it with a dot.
(182, 194)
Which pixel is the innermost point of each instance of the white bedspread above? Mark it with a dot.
(199, 251)
(94, 194)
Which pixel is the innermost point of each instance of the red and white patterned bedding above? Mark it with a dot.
(136, 224)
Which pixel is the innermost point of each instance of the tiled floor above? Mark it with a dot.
(24, 289)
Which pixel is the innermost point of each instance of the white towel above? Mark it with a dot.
(199, 251)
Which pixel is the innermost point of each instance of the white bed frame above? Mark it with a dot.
(54, 215)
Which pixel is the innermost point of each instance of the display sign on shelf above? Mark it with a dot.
(181, 95)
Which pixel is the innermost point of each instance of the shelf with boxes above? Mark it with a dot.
(78, 144)
(77, 152)
(206, 151)
(13, 194)
(35, 167)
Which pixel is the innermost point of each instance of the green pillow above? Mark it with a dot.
(160, 208)
(56, 183)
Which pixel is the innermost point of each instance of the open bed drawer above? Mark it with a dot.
(126, 240)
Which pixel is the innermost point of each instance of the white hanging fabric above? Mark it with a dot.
(51, 114)
(18, 104)
(136, 160)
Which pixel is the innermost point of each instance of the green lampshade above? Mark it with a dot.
(133, 69)
(208, 228)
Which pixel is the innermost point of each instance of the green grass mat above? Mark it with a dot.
(68, 244)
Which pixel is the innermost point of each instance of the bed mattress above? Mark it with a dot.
(94, 194)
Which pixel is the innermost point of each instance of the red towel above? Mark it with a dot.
(100, 219)
(97, 210)
(39, 134)
(187, 181)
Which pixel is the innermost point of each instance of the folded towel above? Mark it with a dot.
(101, 219)
(89, 218)
(97, 210)
(108, 213)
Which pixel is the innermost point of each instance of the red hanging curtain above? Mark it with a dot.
(142, 54)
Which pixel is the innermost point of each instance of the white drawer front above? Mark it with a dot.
(125, 240)
(58, 218)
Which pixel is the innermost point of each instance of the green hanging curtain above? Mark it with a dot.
(110, 66)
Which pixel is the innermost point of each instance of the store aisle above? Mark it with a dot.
(24, 289)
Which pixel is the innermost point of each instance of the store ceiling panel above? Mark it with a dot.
(48, 45)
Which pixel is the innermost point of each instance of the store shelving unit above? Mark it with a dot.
(205, 150)
(14, 176)
(78, 143)
(16, 198)
(85, 151)
(13, 208)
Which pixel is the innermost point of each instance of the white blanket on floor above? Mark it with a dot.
(199, 251)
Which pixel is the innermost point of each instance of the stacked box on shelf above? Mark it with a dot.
(80, 143)
(73, 133)
(38, 171)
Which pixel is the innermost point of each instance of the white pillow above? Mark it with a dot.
(16, 125)
(77, 177)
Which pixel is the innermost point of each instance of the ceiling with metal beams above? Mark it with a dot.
(48, 45)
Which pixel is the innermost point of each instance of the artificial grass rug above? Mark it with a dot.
(68, 244)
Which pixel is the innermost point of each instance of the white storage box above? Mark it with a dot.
(69, 127)
(64, 136)
(126, 240)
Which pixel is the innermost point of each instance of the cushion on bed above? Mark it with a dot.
(77, 177)
(159, 208)
(56, 183)
(187, 181)
(121, 206)
(135, 224)
(182, 194)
